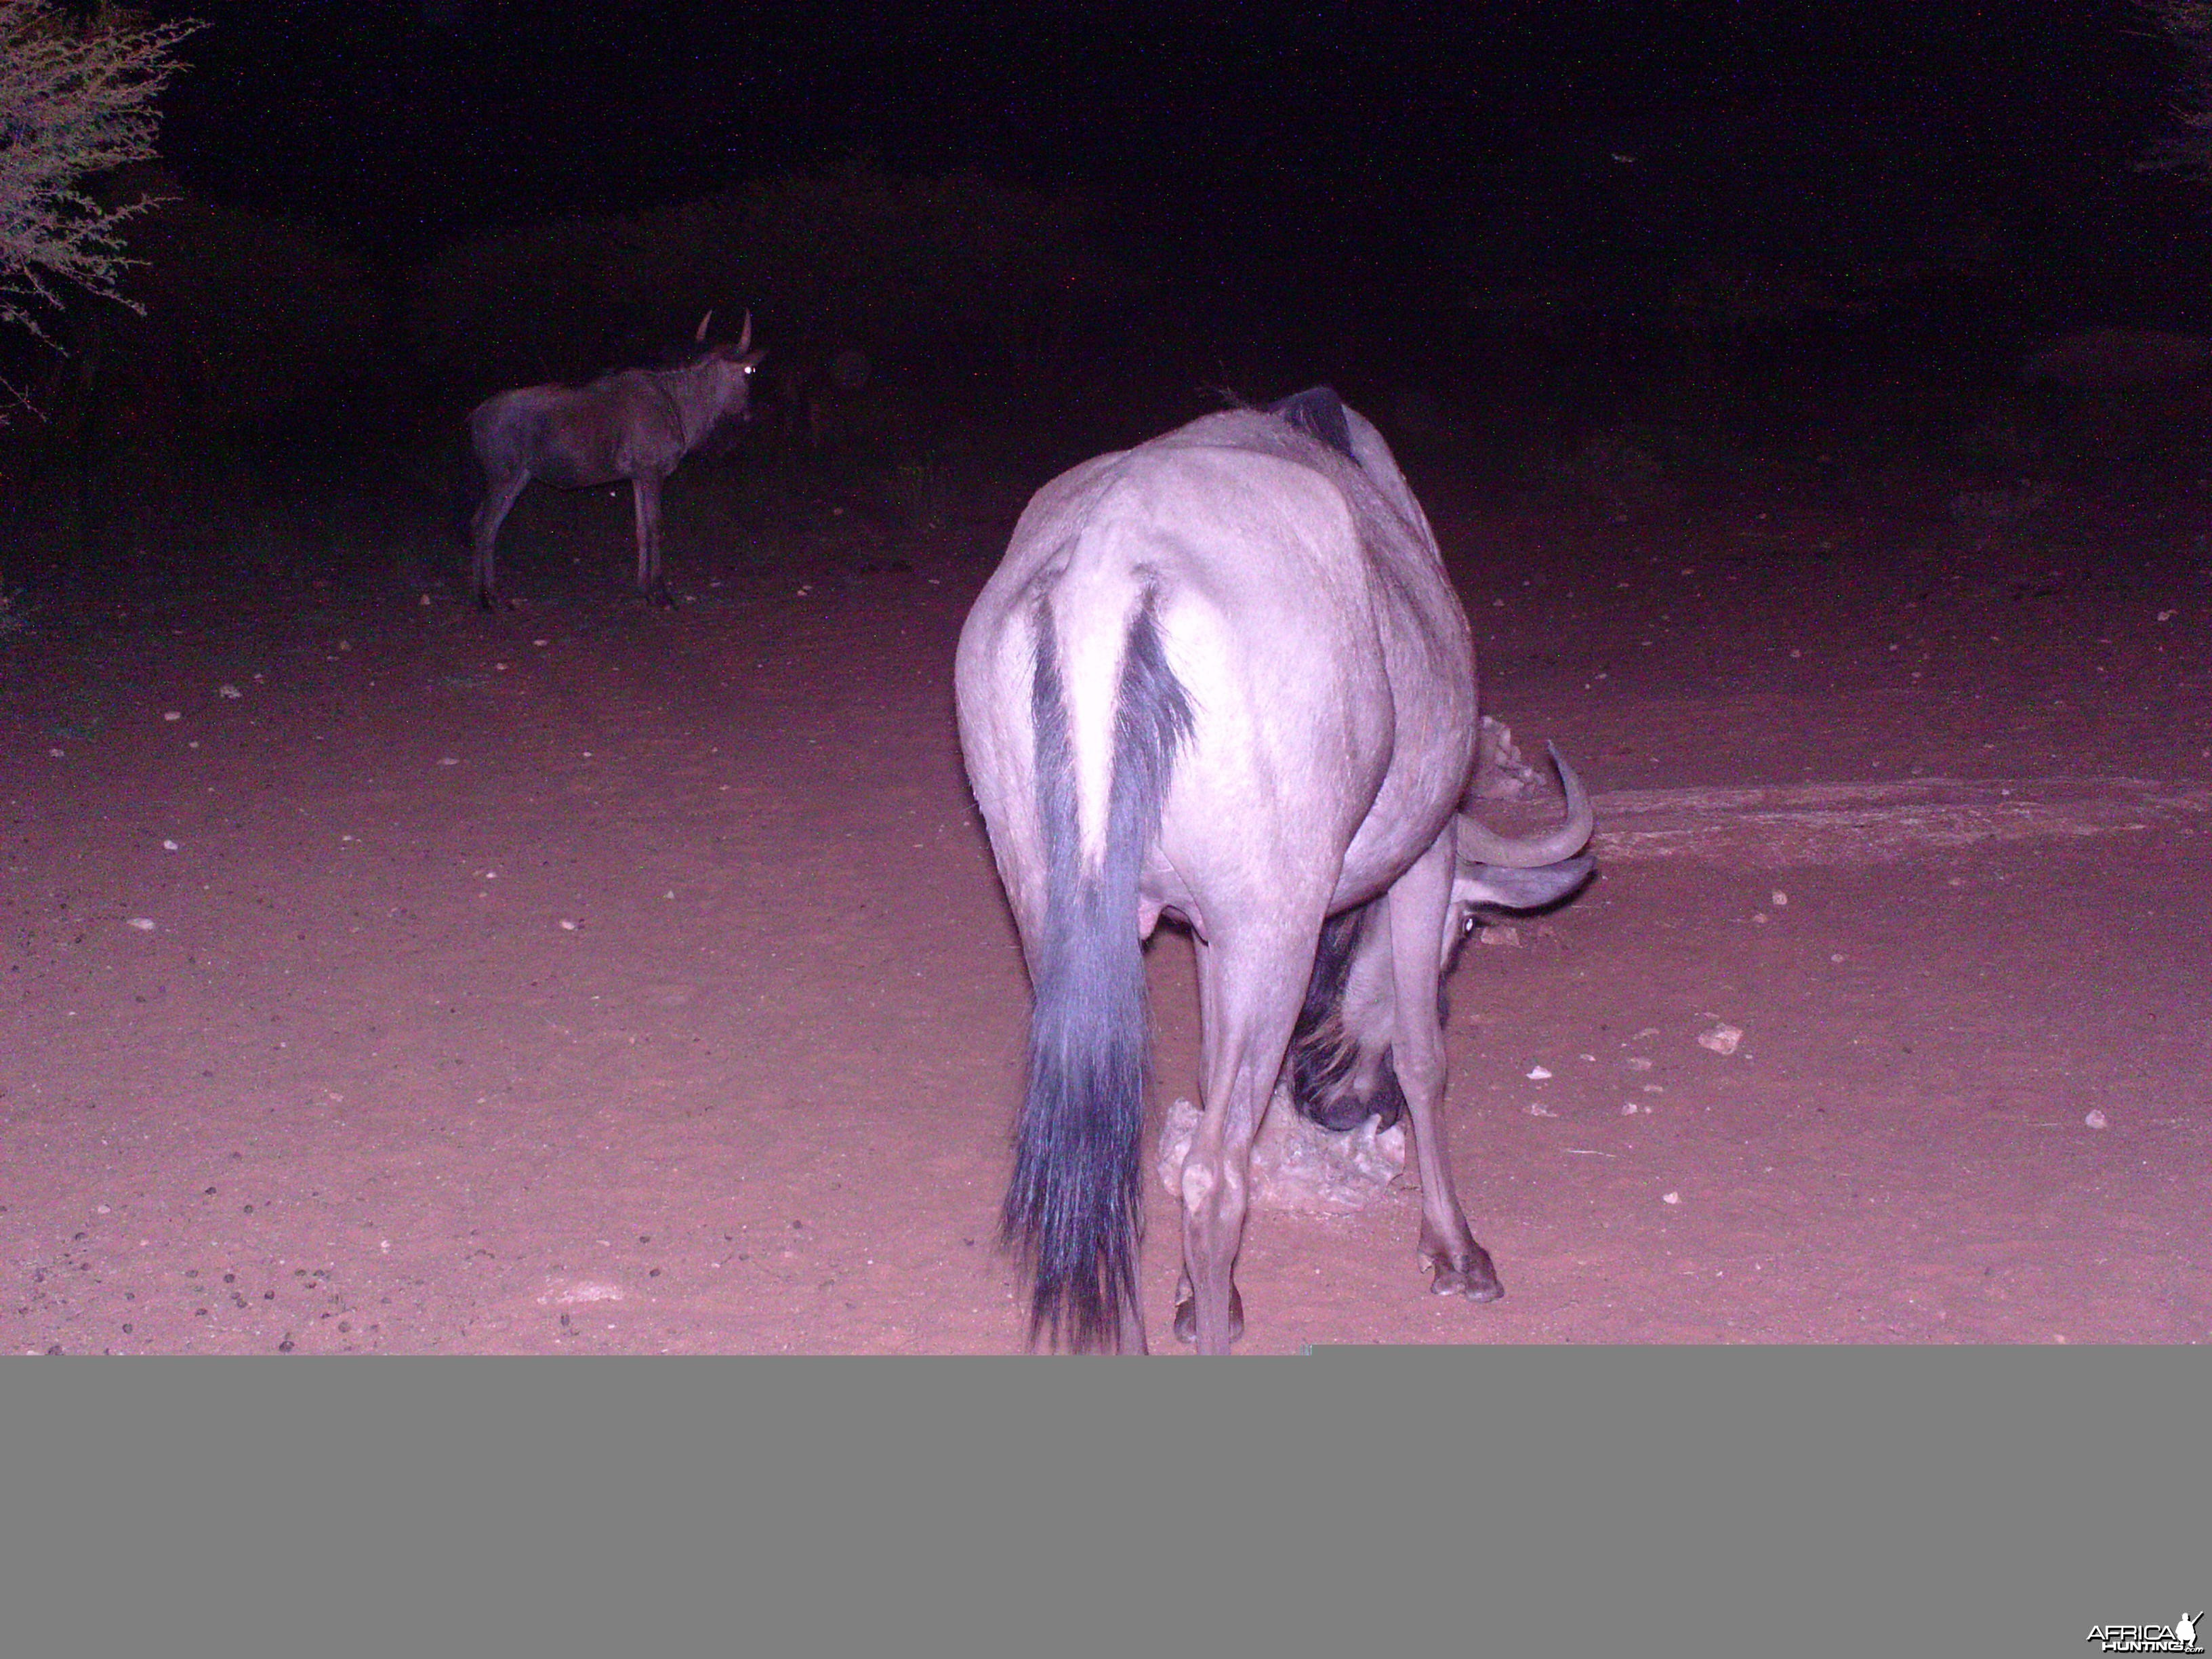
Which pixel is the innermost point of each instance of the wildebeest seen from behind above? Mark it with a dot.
(1224, 676)
(637, 423)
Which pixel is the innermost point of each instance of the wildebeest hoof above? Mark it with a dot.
(1478, 1281)
(1185, 1321)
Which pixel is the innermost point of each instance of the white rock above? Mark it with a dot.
(1722, 1039)
(1296, 1164)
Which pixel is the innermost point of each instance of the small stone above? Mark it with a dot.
(1721, 1039)
(2098, 1120)
(1670, 1198)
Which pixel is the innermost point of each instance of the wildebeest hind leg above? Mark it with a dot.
(499, 499)
(1414, 912)
(1247, 1005)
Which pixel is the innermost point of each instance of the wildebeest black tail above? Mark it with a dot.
(1071, 1208)
(466, 481)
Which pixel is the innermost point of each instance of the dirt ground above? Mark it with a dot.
(384, 977)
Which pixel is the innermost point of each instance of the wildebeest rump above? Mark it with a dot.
(637, 423)
(1224, 676)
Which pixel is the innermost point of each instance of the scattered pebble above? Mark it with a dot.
(566, 926)
(143, 924)
(1538, 1074)
(233, 693)
(1535, 1110)
(1779, 898)
(448, 760)
(1721, 1039)
(171, 714)
(1628, 1109)
(1638, 1063)
(169, 846)
(2098, 1120)
(1670, 1198)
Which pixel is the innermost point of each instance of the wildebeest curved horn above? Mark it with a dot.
(700, 337)
(745, 334)
(1484, 845)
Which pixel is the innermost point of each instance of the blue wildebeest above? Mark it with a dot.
(636, 423)
(1224, 676)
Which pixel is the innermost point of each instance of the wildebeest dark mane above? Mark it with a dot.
(1319, 413)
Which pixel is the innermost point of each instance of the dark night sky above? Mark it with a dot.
(1336, 136)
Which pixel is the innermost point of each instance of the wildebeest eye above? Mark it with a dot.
(1468, 925)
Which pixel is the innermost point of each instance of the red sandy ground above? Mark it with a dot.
(587, 978)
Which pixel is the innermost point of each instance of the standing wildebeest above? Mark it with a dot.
(636, 423)
(1224, 674)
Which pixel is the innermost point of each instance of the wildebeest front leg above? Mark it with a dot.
(1414, 912)
(499, 499)
(646, 488)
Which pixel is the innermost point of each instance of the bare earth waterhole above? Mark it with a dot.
(382, 977)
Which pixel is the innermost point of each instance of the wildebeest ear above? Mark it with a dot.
(751, 360)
